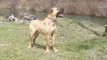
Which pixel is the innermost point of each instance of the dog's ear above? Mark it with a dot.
(50, 11)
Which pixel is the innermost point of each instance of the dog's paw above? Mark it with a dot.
(55, 50)
(47, 51)
(29, 46)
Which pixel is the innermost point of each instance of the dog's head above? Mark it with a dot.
(58, 12)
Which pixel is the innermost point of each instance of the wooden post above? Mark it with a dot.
(105, 34)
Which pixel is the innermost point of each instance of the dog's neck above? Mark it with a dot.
(52, 17)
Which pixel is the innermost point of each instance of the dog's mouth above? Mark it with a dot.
(60, 13)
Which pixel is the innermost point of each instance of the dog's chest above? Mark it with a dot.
(51, 23)
(49, 26)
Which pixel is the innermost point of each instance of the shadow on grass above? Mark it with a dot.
(83, 26)
(40, 46)
(86, 44)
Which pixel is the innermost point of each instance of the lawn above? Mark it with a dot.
(76, 40)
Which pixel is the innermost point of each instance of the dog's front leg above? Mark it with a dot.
(48, 42)
(53, 43)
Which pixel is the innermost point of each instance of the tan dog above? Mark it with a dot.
(46, 27)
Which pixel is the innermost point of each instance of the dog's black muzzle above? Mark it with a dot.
(60, 13)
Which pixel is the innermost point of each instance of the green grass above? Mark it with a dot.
(76, 40)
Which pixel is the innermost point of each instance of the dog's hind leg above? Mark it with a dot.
(33, 34)
(31, 37)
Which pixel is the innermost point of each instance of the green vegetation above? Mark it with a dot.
(76, 40)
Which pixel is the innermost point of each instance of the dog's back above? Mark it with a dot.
(42, 26)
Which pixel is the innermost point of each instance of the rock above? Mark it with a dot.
(28, 17)
(11, 18)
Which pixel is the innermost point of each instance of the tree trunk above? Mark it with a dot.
(105, 33)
